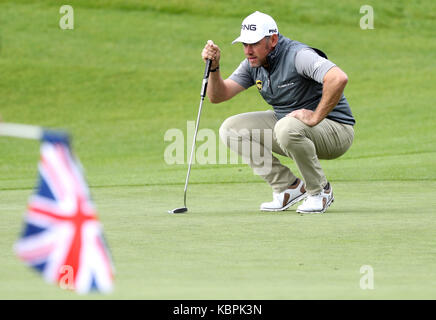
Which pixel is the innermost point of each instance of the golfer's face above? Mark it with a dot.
(256, 52)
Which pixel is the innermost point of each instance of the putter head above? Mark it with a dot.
(178, 210)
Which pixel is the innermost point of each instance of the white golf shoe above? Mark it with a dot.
(282, 201)
(317, 203)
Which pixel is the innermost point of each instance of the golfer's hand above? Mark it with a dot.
(211, 51)
(305, 116)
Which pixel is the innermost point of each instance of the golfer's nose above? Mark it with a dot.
(248, 49)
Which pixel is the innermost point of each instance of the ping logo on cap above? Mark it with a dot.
(251, 27)
(272, 30)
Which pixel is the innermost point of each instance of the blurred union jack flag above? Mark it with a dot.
(62, 236)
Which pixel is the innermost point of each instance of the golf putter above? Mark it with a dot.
(203, 94)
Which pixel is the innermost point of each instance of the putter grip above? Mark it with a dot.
(205, 78)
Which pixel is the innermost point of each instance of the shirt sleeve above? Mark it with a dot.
(311, 65)
(242, 75)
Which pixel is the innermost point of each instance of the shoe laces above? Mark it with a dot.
(314, 197)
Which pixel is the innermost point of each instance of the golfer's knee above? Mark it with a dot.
(224, 131)
(288, 131)
(232, 128)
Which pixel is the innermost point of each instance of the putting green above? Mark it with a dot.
(230, 250)
(130, 71)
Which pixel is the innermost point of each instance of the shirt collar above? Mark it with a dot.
(273, 56)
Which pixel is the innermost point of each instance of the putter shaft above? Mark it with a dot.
(197, 123)
(192, 150)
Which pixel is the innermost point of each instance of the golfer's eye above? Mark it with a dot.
(251, 44)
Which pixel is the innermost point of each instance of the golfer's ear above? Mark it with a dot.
(274, 39)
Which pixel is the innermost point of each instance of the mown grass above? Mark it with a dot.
(131, 70)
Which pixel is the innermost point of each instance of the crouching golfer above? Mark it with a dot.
(310, 120)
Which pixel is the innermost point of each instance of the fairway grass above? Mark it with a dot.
(225, 248)
(131, 70)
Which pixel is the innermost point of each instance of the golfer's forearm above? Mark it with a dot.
(216, 88)
(331, 94)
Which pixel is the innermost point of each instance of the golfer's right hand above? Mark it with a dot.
(211, 51)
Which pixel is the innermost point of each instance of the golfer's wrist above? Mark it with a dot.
(316, 118)
(215, 68)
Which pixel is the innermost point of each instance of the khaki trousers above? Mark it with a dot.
(257, 135)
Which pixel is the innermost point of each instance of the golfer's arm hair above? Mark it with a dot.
(220, 91)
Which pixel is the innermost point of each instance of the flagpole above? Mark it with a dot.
(24, 131)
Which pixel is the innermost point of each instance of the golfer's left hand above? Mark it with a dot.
(304, 115)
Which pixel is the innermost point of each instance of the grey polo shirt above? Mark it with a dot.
(293, 81)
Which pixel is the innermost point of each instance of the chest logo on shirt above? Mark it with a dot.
(284, 85)
(259, 84)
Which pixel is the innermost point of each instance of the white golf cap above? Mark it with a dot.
(255, 27)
